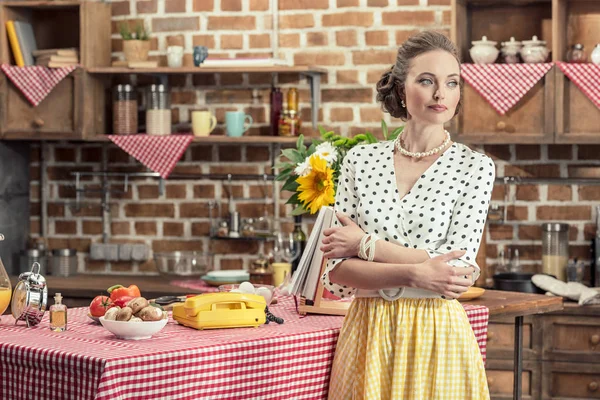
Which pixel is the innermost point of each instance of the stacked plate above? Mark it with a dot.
(217, 278)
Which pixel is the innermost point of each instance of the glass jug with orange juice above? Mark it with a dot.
(5, 288)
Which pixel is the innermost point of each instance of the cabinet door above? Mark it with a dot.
(501, 338)
(531, 120)
(500, 377)
(571, 338)
(570, 381)
(58, 116)
(577, 118)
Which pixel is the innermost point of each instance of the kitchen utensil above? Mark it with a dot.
(516, 282)
(63, 262)
(472, 293)
(183, 264)
(30, 297)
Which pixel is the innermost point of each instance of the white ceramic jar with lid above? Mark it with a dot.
(595, 56)
(484, 51)
(534, 51)
(510, 50)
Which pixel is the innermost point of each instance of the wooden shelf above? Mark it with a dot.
(225, 139)
(41, 4)
(207, 70)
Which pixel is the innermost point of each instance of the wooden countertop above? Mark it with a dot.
(512, 304)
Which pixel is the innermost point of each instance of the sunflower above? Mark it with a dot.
(316, 189)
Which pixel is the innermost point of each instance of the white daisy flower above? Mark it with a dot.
(303, 168)
(327, 151)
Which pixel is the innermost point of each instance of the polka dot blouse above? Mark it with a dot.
(445, 210)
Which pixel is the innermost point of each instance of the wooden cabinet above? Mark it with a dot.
(561, 353)
(74, 108)
(554, 110)
(577, 118)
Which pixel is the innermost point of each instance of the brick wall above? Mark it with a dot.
(356, 41)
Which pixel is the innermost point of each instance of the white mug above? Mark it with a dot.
(175, 56)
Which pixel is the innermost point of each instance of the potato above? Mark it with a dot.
(151, 313)
(124, 314)
(135, 319)
(111, 313)
(137, 304)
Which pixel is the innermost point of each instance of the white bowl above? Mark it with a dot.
(133, 330)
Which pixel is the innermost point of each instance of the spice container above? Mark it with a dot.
(58, 315)
(158, 111)
(534, 51)
(484, 51)
(576, 54)
(63, 262)
(555, 249)
(510, 51)
(125, 117)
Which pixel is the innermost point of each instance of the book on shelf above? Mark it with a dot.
(66, 52)
(14, 43)
(56, 59)
(243, 62)
(27, 42)
(56, 64)
(305, 280)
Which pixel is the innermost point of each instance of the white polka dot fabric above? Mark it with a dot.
(445, 210)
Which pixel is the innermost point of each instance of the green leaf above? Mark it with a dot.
(284, 165)
(300, 142)
(396, 132)
(294, 199)
(293, 155)
(299, 211)
(290, 186)
(322, 131)
(371, 138)
(384, 129)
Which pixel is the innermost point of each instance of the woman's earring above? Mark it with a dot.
(402, 103)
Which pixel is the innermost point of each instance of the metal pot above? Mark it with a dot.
(516, 282)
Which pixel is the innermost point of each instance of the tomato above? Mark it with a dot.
(99, 305)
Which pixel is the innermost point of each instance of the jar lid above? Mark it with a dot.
(34, 252)
(30, 297)
(64, 252)
(555, 227)
(158, 88)
(578, 46)
(124, 88)
(484, 40)
(534, 40)
(512, 42)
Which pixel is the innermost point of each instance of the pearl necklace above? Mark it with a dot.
(398, 143)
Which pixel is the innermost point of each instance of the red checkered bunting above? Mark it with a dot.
(159, 153)
(503, 85)
(36, 82)
(289, 361)
(586, 77)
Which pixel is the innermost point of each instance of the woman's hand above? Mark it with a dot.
(342, 241)
(438, 276)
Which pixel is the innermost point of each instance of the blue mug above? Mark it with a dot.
(200, 54)
(237, 122)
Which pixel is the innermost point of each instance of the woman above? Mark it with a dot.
(405, 335)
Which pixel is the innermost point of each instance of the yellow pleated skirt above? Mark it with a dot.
(408, 349)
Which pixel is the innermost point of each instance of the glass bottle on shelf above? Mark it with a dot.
(299, 241)
(276, 107)
(58, 315)
(125, 109)
(158, 111)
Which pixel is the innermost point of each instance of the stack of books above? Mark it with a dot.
(55, 58)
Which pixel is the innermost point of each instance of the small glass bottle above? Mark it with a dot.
(299, 240)
(58, 315)
(276, 106)
(577, 54)
(292, 99)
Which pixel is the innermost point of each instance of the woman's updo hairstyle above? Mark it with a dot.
(390, 88)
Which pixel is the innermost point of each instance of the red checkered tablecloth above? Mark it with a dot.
(159, 153)
(35, 82)
(585, 76)
(289, 361)
(503, 85)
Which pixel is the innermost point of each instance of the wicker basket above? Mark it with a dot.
(136, 50)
